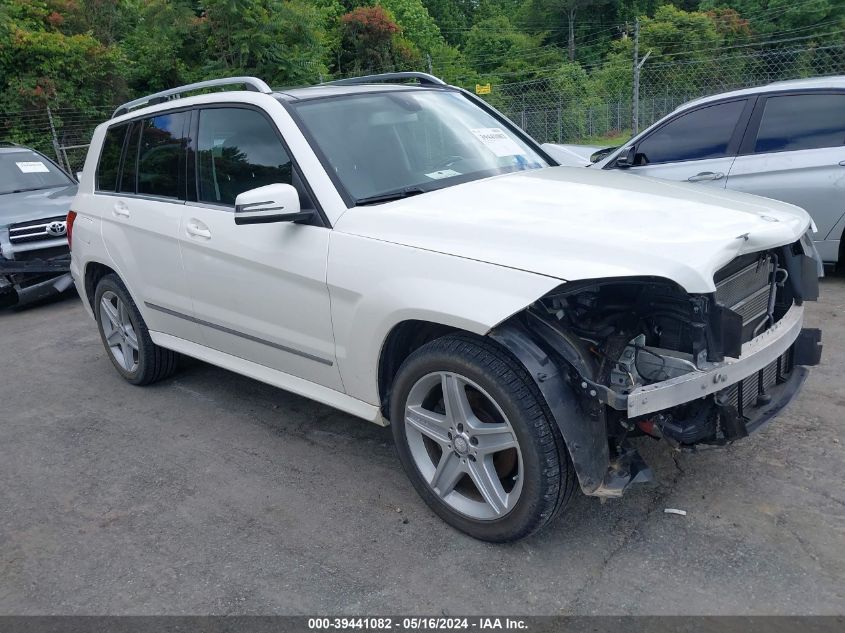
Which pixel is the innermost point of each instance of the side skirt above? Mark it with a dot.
(301, 387)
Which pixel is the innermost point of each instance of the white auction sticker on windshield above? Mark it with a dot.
(443, 173)
(32, 167)
(497, 141)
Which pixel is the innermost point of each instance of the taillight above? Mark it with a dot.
(71, 216)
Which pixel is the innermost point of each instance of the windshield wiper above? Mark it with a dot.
(407, 192)
(33, 189)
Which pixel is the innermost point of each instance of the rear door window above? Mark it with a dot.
(161, 159)
(802, 121)
(108, 167)
(697, 135)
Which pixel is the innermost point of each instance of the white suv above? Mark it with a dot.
(403, 252)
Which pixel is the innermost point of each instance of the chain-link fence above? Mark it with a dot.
(60, 133)
(573, 104)
(595, 106)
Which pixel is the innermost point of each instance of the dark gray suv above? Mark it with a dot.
(35, 196)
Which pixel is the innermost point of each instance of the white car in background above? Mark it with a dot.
(784, 141)
(405, 254)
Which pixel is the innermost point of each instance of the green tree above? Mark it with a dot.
(453, 17)
(371, 42)
(279, 40)
(39, 62)
(41, 65)
(164, 47)
(495, 45)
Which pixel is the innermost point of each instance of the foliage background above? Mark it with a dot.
(568, 62)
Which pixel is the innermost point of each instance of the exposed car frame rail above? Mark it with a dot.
(424, 79)
(253, 84)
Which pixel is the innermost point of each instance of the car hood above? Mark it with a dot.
(573, 223)
(35, 205)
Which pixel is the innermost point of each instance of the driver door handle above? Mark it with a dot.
(842, 163)
(197, 229)
(120, 209)
(706, 175)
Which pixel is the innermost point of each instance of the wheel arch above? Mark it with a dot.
(583, 428)
(581, 423)
(403, 340)
(94, 272)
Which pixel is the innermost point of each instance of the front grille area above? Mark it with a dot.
(744, 286)
(751, 392)
(38, 230)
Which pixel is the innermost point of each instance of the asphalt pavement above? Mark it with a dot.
(211, 493)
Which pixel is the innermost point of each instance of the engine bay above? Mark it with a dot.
(641, 331)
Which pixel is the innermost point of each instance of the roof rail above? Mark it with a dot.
(252, 83)
(423, 78)
(9, 144)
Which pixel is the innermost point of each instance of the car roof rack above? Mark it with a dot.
(423, 78)
(253, 84)
(9, 144)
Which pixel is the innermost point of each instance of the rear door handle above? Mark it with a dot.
(842, 163)
(706, 175)
(197, 229)
(120, 209)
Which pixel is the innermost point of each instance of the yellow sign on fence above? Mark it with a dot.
(482, 89)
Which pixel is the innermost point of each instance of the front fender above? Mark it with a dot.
(585, 436)
(376, 285)
(581, 422)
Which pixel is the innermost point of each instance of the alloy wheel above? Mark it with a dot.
(463, 445)
(119, 331)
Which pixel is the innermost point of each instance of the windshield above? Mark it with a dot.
(390, 144)
(25, 170)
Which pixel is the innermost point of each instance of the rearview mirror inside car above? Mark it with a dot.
(271, 203)
(627, 157)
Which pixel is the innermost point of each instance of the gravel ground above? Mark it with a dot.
(213, 493)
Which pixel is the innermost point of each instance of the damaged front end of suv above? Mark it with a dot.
(626, 357)
(35, 196)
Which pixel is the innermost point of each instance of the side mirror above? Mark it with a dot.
(271, 203)
(79, 176)
(627, 157)
(602, 154)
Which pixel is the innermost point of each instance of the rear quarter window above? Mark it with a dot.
(108, 166)
(130, 159)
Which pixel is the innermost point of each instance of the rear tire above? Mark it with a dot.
(126, 337)
(487, 456)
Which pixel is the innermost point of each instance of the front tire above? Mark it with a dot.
(126, 337)
(477, 440)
